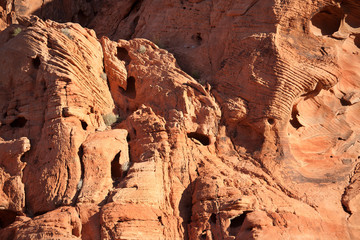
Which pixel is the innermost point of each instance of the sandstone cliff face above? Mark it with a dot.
(245, 127)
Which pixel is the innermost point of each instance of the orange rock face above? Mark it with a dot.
(245, 127)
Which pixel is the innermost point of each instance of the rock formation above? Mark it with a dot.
(245, 127)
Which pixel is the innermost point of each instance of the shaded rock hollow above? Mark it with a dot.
(104, 136)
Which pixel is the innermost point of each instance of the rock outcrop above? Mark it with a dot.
(245, 127)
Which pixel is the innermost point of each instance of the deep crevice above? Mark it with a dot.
(345, 206)
(116, 173)
(213, 218)
(202, 138)
(18, 122)
(130, 88)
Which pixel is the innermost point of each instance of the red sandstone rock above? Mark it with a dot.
(261, 142)
(62, 223)
(12, 188)
(104, 157)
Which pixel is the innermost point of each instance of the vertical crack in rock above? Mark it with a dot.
(130, 88)
(80, 183)
(116, 170)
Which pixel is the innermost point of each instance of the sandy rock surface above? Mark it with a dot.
(179, 119)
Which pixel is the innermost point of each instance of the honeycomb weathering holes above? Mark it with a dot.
(327, 21)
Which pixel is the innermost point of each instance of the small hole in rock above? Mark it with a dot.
(202, 138)
(271, 121)
(18, 122)
(213, 218)
(345, 102)
(123, 55)
(327, 21)
(160, 220)
(84, 125)
(116, 168)
(36, 62)
(239, 220)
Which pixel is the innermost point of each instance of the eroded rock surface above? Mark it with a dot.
(258, 139)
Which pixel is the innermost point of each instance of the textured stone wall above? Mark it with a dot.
(179, 119)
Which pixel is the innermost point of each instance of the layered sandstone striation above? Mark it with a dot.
(245, 127)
